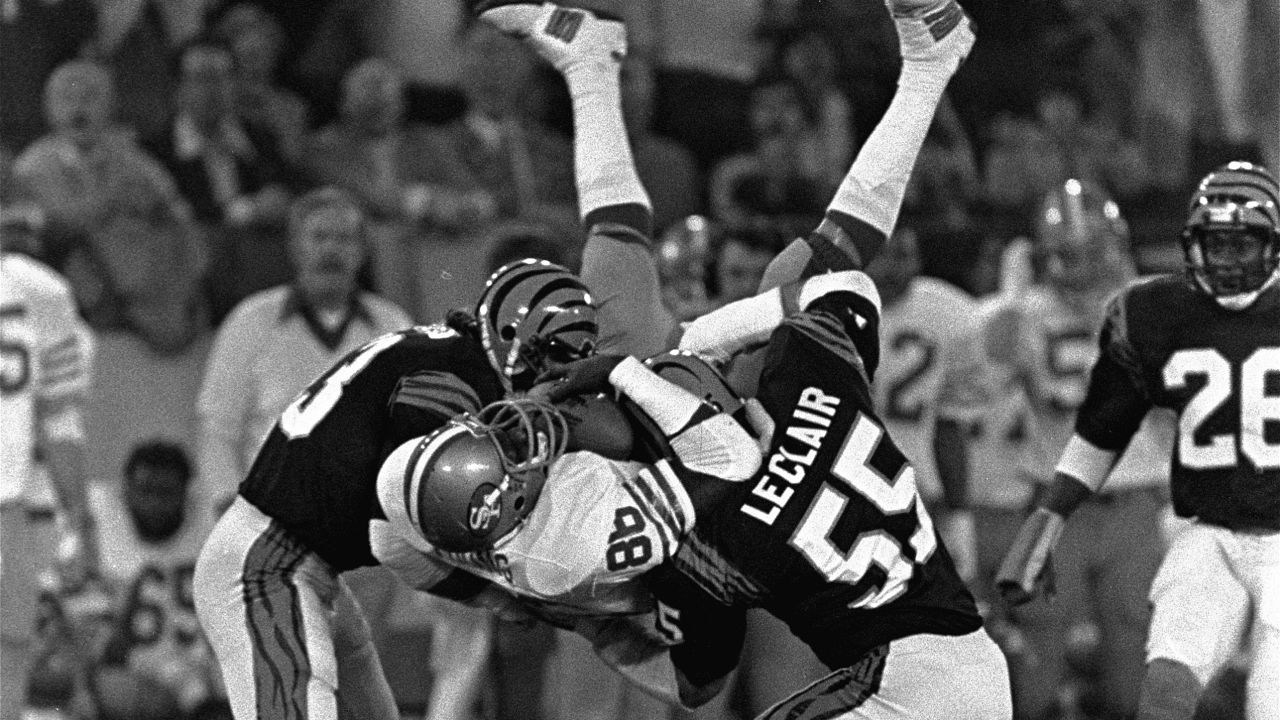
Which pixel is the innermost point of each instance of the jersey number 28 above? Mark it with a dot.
(1257, 408)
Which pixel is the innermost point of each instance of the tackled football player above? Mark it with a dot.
(910, 625)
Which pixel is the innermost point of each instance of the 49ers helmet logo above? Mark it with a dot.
(485, 510)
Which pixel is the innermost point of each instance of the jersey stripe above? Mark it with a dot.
(654, 495)
(663, 477)
(703, 563)
(442, 393)
(837, 693)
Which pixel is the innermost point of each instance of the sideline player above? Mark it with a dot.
(44, 348)
(268, 579)
(1045, 339)
(1206, 345)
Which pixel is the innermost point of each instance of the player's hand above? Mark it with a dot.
(1026, 571)
(580, 377)
(77, 557)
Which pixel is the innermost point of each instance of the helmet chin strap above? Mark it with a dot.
(1238, 301)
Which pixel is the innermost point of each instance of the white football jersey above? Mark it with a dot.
(154, 584)
(43, 355)
(928, 357)
(598, 525)
(1048, 348)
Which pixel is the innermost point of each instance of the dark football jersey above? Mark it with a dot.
(830, 535)
(1165, 344)
(316, 474)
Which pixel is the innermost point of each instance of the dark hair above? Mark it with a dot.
(463, 322)
(161, 454)
(523, 243)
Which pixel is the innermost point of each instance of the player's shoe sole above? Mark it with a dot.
(932, 30)
(565, 37)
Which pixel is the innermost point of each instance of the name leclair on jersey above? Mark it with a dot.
(811, 418)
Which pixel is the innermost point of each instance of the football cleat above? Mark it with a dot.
(931, 31)
(565, 37)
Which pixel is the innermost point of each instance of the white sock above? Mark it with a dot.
(603, 166)
(876, 183)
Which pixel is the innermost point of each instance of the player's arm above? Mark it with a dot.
(1109, 417)
(424, 401)
(711, 636)
(60, 433)
(701, 438)
(613, 205)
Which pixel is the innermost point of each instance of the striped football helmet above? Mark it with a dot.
(1231, 240)
(533, 311)
(475, 480)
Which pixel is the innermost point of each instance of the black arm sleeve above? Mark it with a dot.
(1116, 400)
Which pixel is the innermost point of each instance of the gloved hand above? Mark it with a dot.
(580, 377)
(1026, 571)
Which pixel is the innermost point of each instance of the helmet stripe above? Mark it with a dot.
(504, 286)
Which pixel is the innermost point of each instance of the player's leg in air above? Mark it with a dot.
(613, 205)
(617, 265)
(934, 38)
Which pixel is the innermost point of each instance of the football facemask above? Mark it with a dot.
(1231, 240)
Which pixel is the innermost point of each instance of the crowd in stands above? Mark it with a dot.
(152, 151)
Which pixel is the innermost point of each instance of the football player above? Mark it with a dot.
(267, 582)
(840, 331)
(1207, 346)
(151, 536)
(45, 350)
(1044, 339)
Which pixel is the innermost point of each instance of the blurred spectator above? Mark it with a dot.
(277, 341)
(1242, 41)
(778, 178)
(739, 259)
(37, 36)
(667, 169)
(806, 56)
(945, 181)
(395, 169)
(255, 40)
(153, 528)
(706, 56)
(138, 39)
(89, 169)
(527, 168)
(1174, 90)
(1091, 46)
(230, 173)
(1027, 158)
(142, 275)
